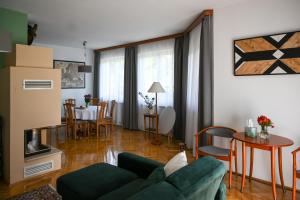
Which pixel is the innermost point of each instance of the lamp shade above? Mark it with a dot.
(5, 41)
(85, 68)
(156, 88)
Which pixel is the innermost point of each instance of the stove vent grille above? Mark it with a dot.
(37, 84)
(38, 168)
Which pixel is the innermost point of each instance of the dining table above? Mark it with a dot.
(86, 113)
(272, 144)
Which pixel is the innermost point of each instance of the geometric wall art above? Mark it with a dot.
(267, 55)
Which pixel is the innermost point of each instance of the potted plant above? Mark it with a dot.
(149, 103)
(264, 123)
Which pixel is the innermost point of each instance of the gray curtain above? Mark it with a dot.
(96, 73)
(181, 51)
(130, 119)
(205, 103)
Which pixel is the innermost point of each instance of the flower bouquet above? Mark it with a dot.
(264, 123)
(87, 99)
(149, 102)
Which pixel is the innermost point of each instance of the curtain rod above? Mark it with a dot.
(195, 23)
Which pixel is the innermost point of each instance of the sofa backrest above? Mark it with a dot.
(199, 180)
(143, 167)
(160, 191)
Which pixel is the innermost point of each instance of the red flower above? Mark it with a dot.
(264, 121)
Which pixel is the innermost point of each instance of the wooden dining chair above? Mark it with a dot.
(109, 119)
(94, 101)
(100, 120)
(218, 152)
(73, 125)
(296, 173)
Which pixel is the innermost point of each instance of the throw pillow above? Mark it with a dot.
(177, 162)
(156, 176)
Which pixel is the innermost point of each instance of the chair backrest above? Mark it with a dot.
(65, 111)
(71, 101)
(220, 131)
(70, 112)
(112, 108)
(101, 109)
(94, 101)
(166, 120)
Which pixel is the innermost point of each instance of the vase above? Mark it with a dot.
(149, 110)
(86, 104)
(264, 132)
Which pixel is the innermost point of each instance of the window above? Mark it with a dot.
(111, 78)
(156, 63)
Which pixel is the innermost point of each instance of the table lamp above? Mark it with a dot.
(156, 88)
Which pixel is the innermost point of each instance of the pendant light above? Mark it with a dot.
(85, 68)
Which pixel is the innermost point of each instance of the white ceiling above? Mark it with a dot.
(106, 23)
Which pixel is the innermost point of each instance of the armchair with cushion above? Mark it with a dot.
(218, 152)
(139, 178)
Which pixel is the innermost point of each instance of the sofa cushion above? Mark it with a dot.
(213, 150)
(176, 163)
(200, 179)
(156, 176)
(159, 191)
(92, 182)
(123, 192)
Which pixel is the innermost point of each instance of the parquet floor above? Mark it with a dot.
(86, 151)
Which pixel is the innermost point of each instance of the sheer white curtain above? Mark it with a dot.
(156, 63)
(111, 79)
(192, 87)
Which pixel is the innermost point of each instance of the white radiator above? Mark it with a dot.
(38, 168)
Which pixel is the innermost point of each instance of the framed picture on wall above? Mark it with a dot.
(267, 55)
(70, 77)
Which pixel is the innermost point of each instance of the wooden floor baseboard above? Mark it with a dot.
(266, 182)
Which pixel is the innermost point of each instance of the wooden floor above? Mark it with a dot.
(83, 152)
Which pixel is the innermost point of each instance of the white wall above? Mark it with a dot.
(239, 98)
(74, 54)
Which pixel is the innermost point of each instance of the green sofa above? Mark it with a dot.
(131, 180)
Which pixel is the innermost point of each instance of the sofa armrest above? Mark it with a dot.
(143, 167)
(221, 193)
